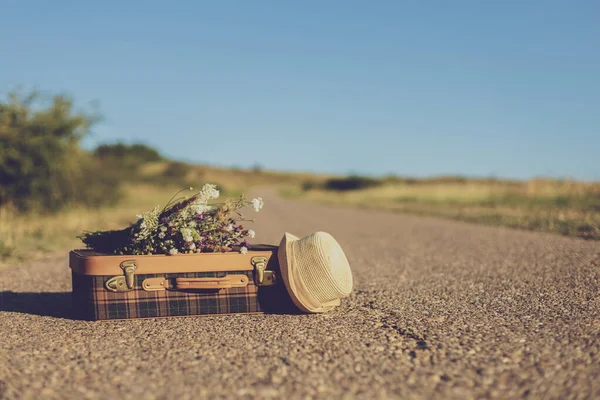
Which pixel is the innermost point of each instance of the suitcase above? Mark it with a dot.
(125, 286)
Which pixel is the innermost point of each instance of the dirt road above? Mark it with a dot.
(440, 309)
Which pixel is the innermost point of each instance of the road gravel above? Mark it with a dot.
(441, 309)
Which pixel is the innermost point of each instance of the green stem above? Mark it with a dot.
(169, 203)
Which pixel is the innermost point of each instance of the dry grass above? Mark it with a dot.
(29, 236)
(566, 207)
(231, 180)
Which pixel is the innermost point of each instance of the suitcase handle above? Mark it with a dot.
(227, 282)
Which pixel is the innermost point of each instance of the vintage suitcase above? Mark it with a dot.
(148, 286)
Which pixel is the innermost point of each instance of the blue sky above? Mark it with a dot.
(503, 88)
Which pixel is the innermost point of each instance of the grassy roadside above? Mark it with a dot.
(30, 236)
(564, 207)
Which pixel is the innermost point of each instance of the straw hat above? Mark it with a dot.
(315, 271)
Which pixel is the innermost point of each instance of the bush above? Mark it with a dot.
(137, 152)
(177, 171)
(310, 185)
(41, 163)
(350, 183)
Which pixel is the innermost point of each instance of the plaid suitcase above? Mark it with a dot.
(120, 287)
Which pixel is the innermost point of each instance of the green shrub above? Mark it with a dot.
(310, 185)
(136, 152)
(353, 182)
(176, 171)
(41, 163)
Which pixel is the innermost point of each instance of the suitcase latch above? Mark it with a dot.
(123, 283)
(263, 277)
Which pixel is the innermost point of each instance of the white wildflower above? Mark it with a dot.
(209, 191)
(192, 246)
(229, 228)
(243, 250)
(257, 204)
(251, 234)
(187, 235)
(163, 228)
(148, 224)
(161, 235)
(214, 193)
(173, 251)
(202, 208)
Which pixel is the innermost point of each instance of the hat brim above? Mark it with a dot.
(293, 282)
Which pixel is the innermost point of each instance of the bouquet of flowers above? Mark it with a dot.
(184, 225)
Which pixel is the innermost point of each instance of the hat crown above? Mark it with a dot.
(323, 267)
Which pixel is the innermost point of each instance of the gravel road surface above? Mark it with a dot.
(441, 309)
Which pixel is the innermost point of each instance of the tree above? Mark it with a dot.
(41, 162)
